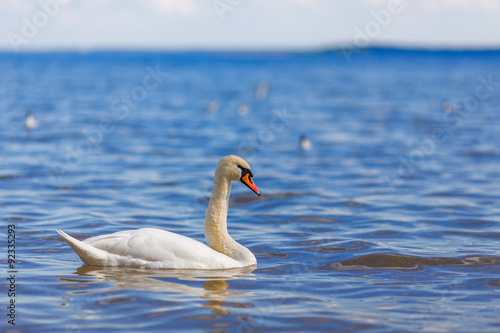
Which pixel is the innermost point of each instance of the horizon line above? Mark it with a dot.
(332, 48)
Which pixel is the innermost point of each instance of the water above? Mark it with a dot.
(390, 223)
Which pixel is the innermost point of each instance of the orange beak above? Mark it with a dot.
(247, 180)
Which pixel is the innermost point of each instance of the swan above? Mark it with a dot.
(156, 248)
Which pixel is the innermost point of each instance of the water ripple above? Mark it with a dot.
(381, 226)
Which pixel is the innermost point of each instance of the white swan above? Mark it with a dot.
(155, 248)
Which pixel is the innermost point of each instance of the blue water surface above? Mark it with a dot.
(390, 223)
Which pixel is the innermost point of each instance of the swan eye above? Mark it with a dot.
(245, 171)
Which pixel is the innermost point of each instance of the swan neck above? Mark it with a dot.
(216, 216)
(216, 223)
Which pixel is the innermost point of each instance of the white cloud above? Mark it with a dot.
(464, 5)
(24, 7)
(306, 2)
(443, 5)
(490, 4)
(251, 24)
(186, 7)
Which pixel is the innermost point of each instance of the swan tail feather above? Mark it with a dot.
(87, 253)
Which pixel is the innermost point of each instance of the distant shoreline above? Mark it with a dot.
(332, 49)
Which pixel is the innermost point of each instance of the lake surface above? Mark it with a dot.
(389, 223)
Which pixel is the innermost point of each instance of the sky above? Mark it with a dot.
(86, 25)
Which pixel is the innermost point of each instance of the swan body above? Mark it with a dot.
(149, 248)
(156, 248)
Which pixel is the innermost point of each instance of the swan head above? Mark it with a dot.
(236, 168)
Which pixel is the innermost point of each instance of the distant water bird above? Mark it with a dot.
(449, 107)
(243, 109)
(261, 90)
(30, 122)
(305, 143)
(212, 107)
(156, 248)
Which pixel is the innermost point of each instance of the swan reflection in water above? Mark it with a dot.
(209, 285)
